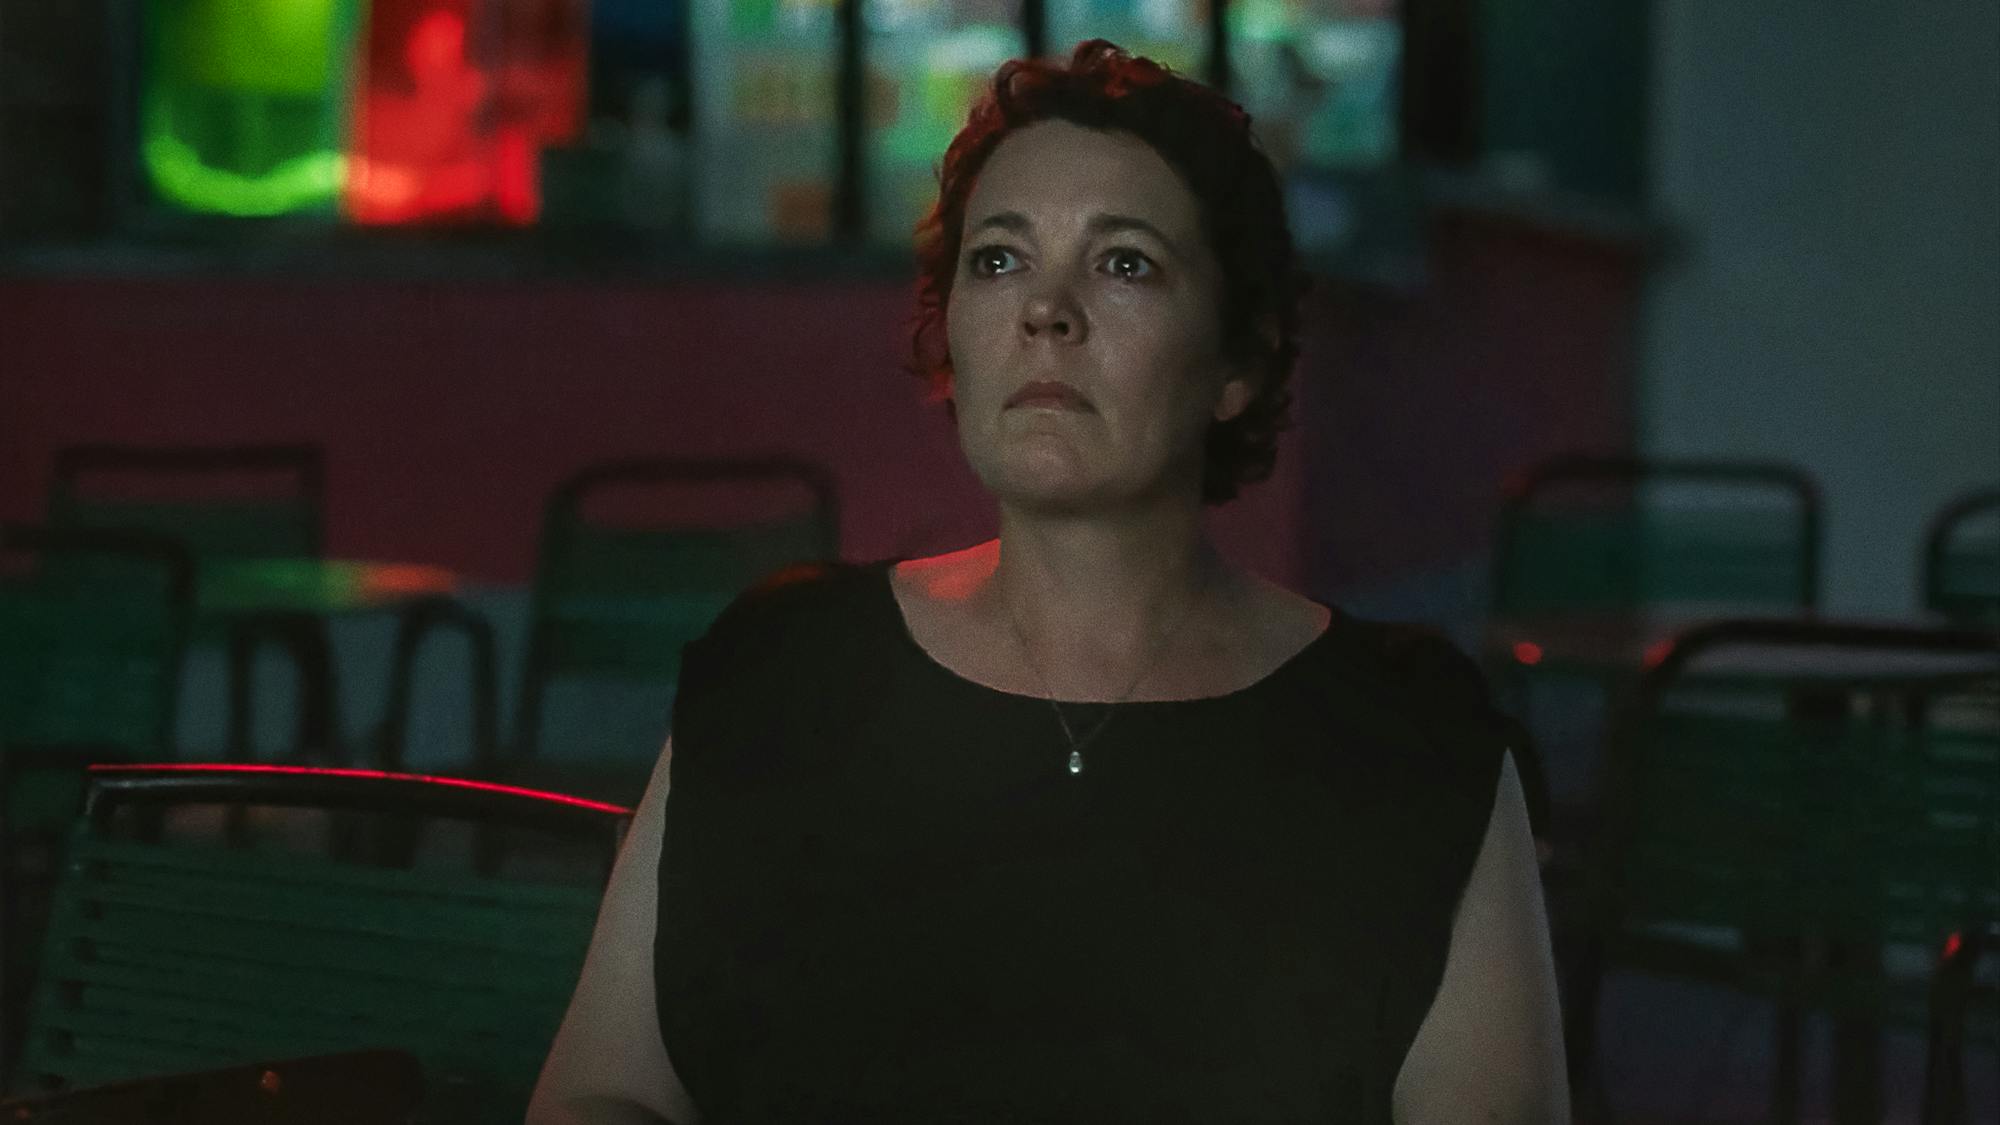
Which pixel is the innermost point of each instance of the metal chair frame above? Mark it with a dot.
(1953, 988)
(305, 463)
(17, 759)
(1620, 801)
(1938, 542)
(565, 505)
(304, 640)
(152, 788)
(1519, 494)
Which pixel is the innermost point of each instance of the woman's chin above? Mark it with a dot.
(1044, 488)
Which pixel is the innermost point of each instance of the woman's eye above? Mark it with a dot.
(989, 261)
(1130, 265)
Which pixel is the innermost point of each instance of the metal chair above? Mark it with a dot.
(93, 625)
(252, 501)
(169, 956)
(1585, 534)
(1614, 540)
(265, 502)
(221, 502)
(1785, 800)
(1962, 559)
(634, 562)
(1958, 997)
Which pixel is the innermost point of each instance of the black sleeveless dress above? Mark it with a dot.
(885, 898)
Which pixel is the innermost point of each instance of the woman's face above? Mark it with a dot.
(1083, 324)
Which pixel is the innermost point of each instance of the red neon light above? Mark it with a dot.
(1952, 945)
(1658, 651)
(328, 771)
(434, 139)
(543, 65)
(516, 194)
(1528, 652)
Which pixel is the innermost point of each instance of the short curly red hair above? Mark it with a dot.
(1206, 139)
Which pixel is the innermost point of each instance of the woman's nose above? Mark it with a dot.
(1053, 315)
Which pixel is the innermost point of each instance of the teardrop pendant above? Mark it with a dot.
(1076, 761)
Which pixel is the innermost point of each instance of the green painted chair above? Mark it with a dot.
(260, 501)
(221, 502)
(176, 956)
(92, 630)
(636, 559)
(1615, 541)
(1582, 535)
(1832, 794)
(1962, 559)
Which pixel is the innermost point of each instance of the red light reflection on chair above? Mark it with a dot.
(328, 771)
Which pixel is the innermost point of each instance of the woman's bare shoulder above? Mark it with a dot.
(950, 577)
(1284, 621)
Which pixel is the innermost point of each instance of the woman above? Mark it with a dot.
(1082, 824)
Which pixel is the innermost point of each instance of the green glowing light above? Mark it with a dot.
(245, 103)
(303, 182)
(268, 46)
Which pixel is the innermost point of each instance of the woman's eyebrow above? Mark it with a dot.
(1104, 223)
(1006, 220)
(1113, 224)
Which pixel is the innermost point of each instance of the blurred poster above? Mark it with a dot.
(764, 120)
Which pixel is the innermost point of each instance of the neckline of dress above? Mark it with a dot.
(884, 573)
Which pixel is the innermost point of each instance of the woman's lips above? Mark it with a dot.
(1049, 395)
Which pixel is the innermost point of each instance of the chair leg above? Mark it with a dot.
(241, 745)
(20, 941)
(318, 725)
(242, 663)
(1857, 1043)
(1787, 1070)
(1944, 1084)
(1944, 1053)
(9, 923)
(1582, 985)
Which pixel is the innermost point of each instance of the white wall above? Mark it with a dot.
(1835, 168)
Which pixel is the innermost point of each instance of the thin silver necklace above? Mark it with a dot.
(1076, 744)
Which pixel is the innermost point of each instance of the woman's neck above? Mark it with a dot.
(1098, 594)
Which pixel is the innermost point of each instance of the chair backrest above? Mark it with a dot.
(172, 956)
(1581, 534)
(1962, 559)
(1797, 780)
(638, 557)
(244, 501)
(92, 628)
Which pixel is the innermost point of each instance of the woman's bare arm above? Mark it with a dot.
(607, 1066)
(1490, 1050)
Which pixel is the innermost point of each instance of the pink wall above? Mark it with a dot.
(1517, 347)
(448, 411)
